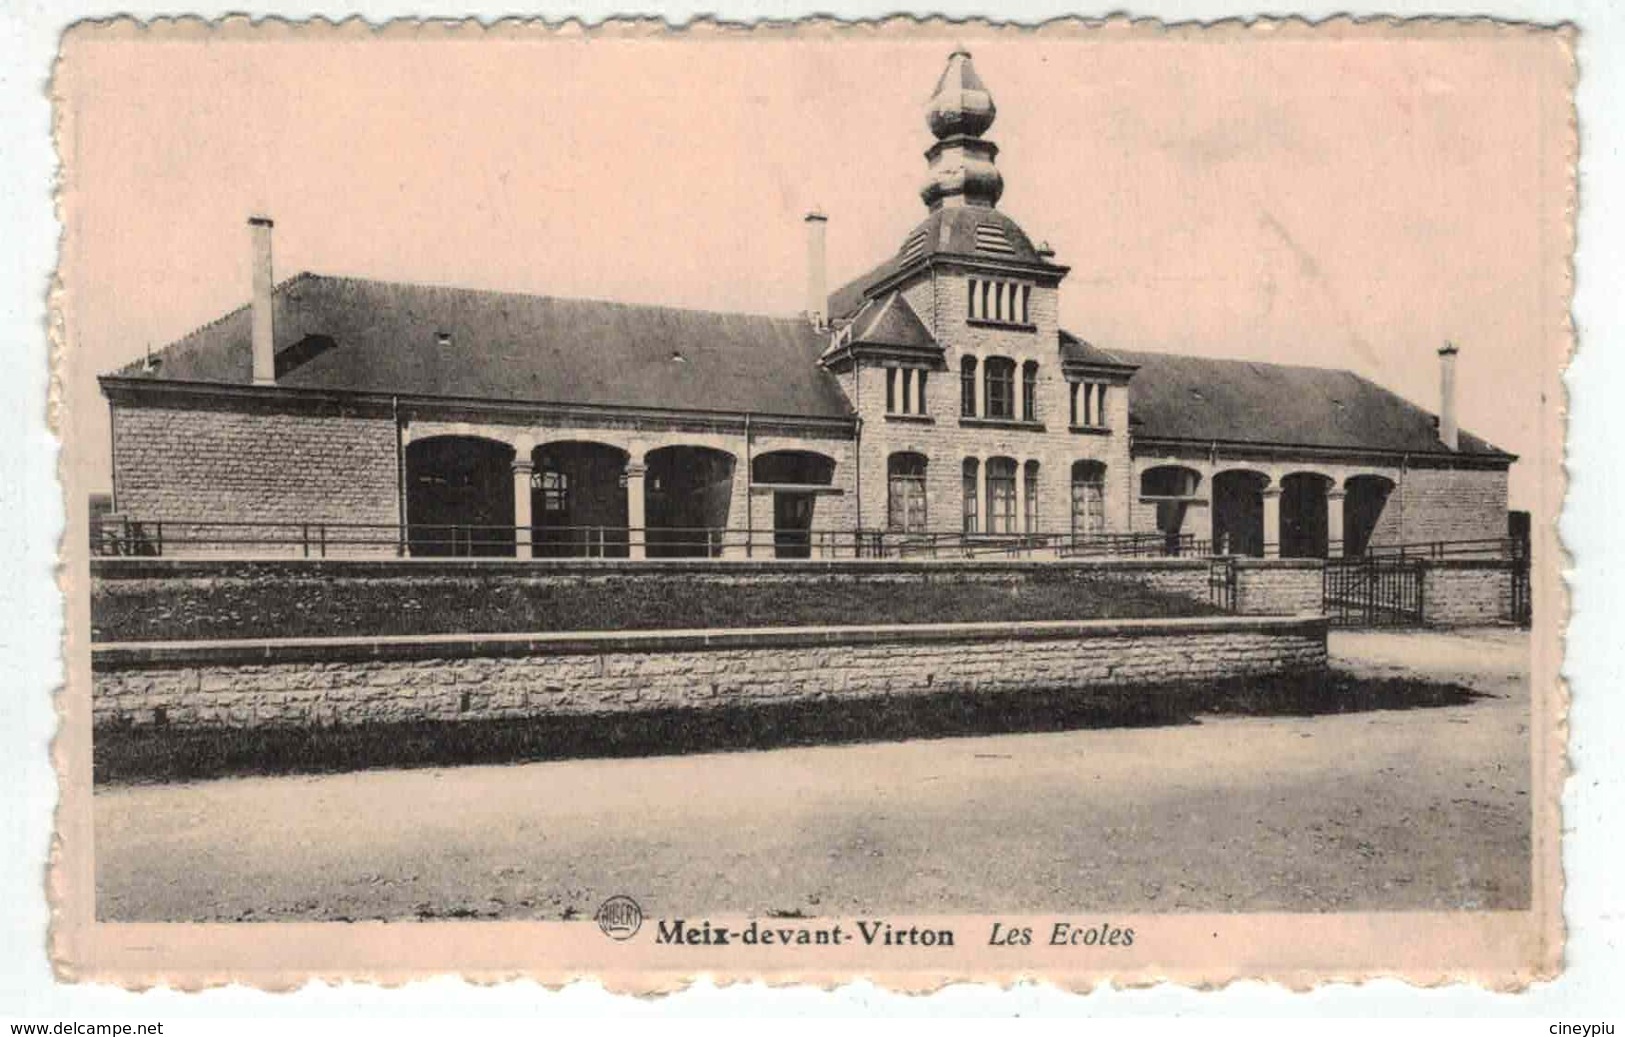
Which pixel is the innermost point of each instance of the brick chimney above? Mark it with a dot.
(1448, 432)
(817, 289)
(259, 229)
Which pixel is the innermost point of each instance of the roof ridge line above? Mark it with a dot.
(516, 294)
(1250, 360)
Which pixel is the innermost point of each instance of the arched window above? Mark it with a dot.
(967, 387)
(971, 510)
(1030, 485)
(1001, 495)
(1088, 498)
(905, 500)
(1029, 391)
(1001, 388)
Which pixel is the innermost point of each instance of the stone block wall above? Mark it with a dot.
(1466, 592)
(348, 681)
(1279, 586)
(195, 464)
(1430, 504)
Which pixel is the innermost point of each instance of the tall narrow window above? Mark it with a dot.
(919, 391)
(1029, 391)
(891, 390)
(1100, 405)
(1072, 390)
(1030, 486)
(906, 403)
(1001, 495)
(1001, 388)
(970, 300)
(905, 511)
(1088, 498)
(971, 510)
(987, 291)
(1026, 303)
(967, 387)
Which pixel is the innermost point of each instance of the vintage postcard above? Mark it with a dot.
(909, 501)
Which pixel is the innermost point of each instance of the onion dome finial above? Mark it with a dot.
(961, 162)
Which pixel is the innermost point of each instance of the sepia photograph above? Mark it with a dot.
(924, 497)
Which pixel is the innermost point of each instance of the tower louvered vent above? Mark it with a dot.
(914, 247)
(990, 237)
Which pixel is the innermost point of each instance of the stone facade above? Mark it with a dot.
(947, 438)
(259, 449)
(202, 463)
(330, 681)
(1436, 504)
(1428, 503)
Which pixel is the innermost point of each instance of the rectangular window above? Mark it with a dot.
(1001, 389)
(891, 390)
(1029, 392)
(1031, 488)
(1072, 389)
(1026, 303)
(967, 387)
(1001, 495)
(1092, 411)
(919, 391)
(970, 300)
(971, 507)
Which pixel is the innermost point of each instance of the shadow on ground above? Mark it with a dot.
(126, 755)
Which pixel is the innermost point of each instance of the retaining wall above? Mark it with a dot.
(1279, 586)
(1467, 592)
(455, 677)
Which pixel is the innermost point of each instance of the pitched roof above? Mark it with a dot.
(339, 333)
(891, 322)
(1241, 401)
(966, 230)
(1075, 350)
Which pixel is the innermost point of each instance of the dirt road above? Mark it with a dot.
(1399, 809)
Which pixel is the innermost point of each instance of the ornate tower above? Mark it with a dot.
(959, 112)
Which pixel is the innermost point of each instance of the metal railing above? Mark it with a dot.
(128, 537)
(1506, 548)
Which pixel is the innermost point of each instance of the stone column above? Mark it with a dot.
(637, 535)
(1272, 522)
(522, 468)
(1334, 521)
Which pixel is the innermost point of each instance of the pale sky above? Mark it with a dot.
(1339, 202)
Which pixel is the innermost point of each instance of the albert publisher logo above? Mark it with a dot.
(619, 917)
